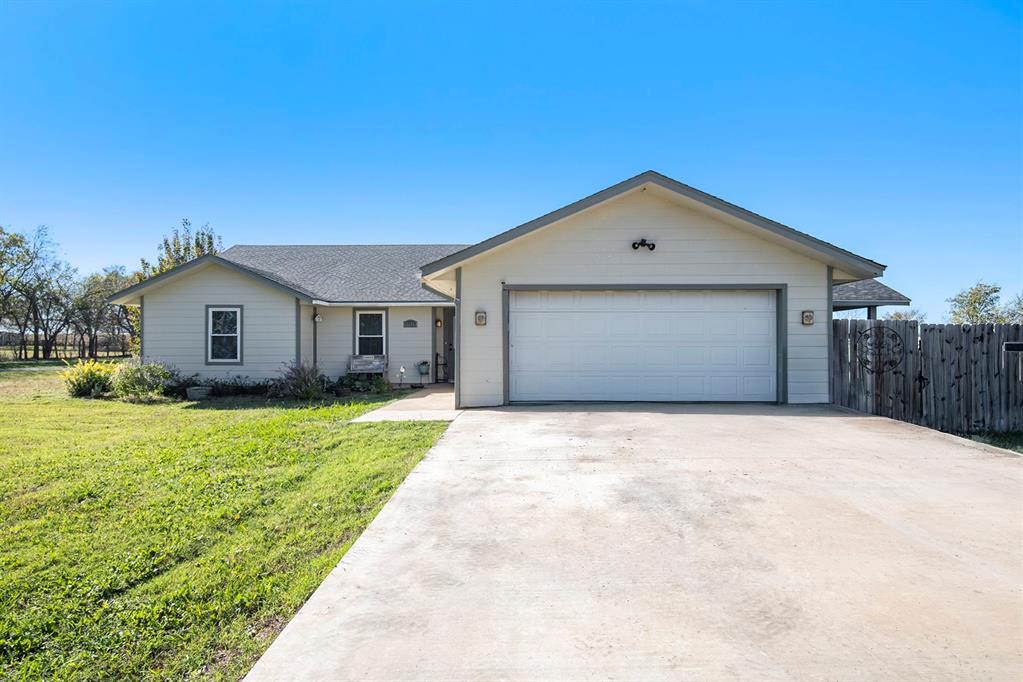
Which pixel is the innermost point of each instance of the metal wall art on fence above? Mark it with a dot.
(880, 349)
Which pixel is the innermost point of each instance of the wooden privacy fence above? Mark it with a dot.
(955, 378)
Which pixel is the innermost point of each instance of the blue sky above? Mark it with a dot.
(893, 130)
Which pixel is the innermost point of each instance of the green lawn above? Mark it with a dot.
(1012, 440)
(175, 539)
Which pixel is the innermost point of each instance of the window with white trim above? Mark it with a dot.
(224, 334)
(370, 334)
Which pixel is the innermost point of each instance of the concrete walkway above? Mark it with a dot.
(680, 542)
(433, 403)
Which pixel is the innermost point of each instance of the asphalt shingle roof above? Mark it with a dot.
(866, 290)
(361, 273)
(372, 273)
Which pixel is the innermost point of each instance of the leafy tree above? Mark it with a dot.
(980, 305)
(15, 261)
(180, 247)
(908, 314)
(92, 314)
(1014, 310)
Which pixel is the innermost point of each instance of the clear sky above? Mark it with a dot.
(893, 130)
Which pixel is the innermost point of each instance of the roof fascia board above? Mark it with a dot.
(131, 291)
(862, 303)
(389, 304)
(856, 264)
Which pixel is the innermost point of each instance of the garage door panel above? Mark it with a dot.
(757, 386)
(642, 345)
(724, 388)
(757, 356)
(720, 324)
(758, 325)
(724, 356)
(695, 356)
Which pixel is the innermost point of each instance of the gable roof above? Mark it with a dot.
(865, 293)
(829, 252)
(363, 273)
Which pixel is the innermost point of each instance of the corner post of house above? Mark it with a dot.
(142, 328)
(315, 333)
(871, 312)
(433, 345)
(828, 319)
(298, 331)
(458, 338)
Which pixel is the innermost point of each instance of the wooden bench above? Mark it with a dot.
(368, 364)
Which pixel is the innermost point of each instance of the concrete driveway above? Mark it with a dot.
(679, 542)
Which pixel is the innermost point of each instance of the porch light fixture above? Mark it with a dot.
(643, 242)
(317, 318)
(438, 323)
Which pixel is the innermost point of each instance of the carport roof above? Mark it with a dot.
(865, 293)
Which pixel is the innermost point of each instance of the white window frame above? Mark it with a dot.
(383, 331)
(210, 360)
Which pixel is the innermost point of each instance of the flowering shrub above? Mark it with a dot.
(136, 380)
(88, 378)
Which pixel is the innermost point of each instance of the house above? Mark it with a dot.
(647, 290)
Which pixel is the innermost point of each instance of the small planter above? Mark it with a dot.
(198, 392)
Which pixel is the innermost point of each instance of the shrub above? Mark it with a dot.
(303, 382)
(364, 383)
(223, 388)
(87, 379)
(136, 380)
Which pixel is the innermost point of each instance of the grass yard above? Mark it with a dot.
(1010, 441)
(175, 540)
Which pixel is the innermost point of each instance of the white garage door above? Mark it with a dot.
(642, 345)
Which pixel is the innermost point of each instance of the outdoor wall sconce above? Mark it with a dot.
(807, 317)
(481, 318)
(438, 323)
(317, 318)
(643, 242)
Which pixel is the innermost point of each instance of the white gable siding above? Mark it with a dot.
(593, 247)
(174, 323)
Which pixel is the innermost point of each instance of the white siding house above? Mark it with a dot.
(647, 290)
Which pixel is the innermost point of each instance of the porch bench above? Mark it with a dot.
(368, 364)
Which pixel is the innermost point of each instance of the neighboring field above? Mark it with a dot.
(175, 539)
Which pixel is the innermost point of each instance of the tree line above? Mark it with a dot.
(48, 310)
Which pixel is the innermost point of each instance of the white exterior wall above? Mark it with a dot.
(410, 346)
(593, 247)
(174, 323)
(335, 339)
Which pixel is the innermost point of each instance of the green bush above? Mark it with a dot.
(303, 382)
(358, 382)
(136, 380)
(88, 379)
